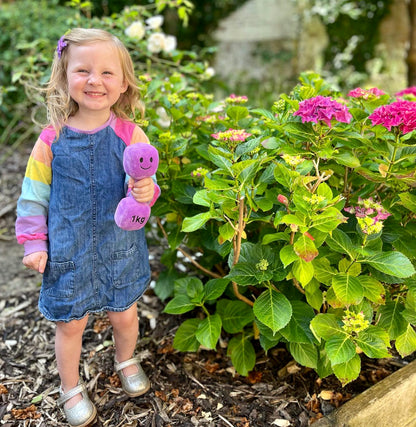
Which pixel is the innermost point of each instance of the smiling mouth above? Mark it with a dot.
(145, 168)
(95, 93)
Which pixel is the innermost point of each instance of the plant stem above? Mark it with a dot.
(237, 248)
(393, 156)
(188, 256)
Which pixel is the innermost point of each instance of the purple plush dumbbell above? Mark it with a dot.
(139, 161)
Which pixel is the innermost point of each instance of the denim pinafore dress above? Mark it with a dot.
(93, 265)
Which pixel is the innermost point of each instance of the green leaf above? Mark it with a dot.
(340, 349)
(303, 271)
(185, 339)
(326, 326)
(297, 330)
(391, 320)
(372, 342)
(214, 288)
(304, 354)
(178, 305)
(287, 255)
(373, 290)
(324, 367)
(201, 198)
(195, 222)
(243, 355)
(339, 242)
(323, 271)
(328, 220)
(347, 288)
(244, 274)
(314, 295)
(236, 113)
(273, 309)
(298, 219)
(268, 339)
(348, 371)
(209, 330)
(392, 263)
(406, 342)
(226, 231)
(346, 158)
(284, 176)
(195, 289)
(305, 248)
(218, 183)
(234, 315)
(408, 200)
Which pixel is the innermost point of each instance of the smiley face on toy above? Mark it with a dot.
(140, 160)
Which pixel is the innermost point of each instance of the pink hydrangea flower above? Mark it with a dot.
(408, 91)
(233, 135)
(234, 99)
(323, 108)
(365, 93)
(401, 114)
(364, 212)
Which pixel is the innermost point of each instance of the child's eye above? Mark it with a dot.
(107, 72)
(82, 71)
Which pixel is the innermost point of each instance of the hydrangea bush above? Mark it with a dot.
(298, 223)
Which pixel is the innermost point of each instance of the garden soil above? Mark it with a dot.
(188, 389)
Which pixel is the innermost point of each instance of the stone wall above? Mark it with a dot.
(272, 41)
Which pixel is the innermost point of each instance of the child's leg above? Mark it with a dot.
(125, 330)
(68, 344)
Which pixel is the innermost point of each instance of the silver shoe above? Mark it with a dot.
(83, 413)
(135, 384)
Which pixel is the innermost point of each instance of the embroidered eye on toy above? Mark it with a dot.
(139, 161)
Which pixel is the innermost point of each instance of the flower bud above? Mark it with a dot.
(283, 199)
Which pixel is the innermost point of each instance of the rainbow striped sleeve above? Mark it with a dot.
(33, 203)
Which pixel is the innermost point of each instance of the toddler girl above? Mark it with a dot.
(65, 214)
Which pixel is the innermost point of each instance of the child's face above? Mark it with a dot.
(95, 77)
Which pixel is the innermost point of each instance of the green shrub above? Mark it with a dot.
(296, 232)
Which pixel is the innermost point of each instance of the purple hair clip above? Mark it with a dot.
(62, 44)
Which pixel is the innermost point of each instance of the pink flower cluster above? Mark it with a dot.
(367, 208)
(233, 135)
(408, 91)
(235, 99)
(365, 93)
(323, 108)
(400, 114)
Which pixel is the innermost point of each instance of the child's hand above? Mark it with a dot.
(36, 261)
(142, 190)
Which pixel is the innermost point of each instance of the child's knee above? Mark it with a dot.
(123, 319)
(72, 328)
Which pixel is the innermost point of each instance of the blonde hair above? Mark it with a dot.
(61, 106)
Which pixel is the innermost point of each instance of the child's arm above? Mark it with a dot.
(33, 203)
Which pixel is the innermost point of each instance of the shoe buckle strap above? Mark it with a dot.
(71, 393)
(129, 362)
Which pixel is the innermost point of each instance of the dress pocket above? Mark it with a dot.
(126, 265)
(59, 279)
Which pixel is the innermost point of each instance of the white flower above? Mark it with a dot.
(135, 30)
(164, 120)
(170, 43)
(155, 22)
(156, 42)
(209, 72)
